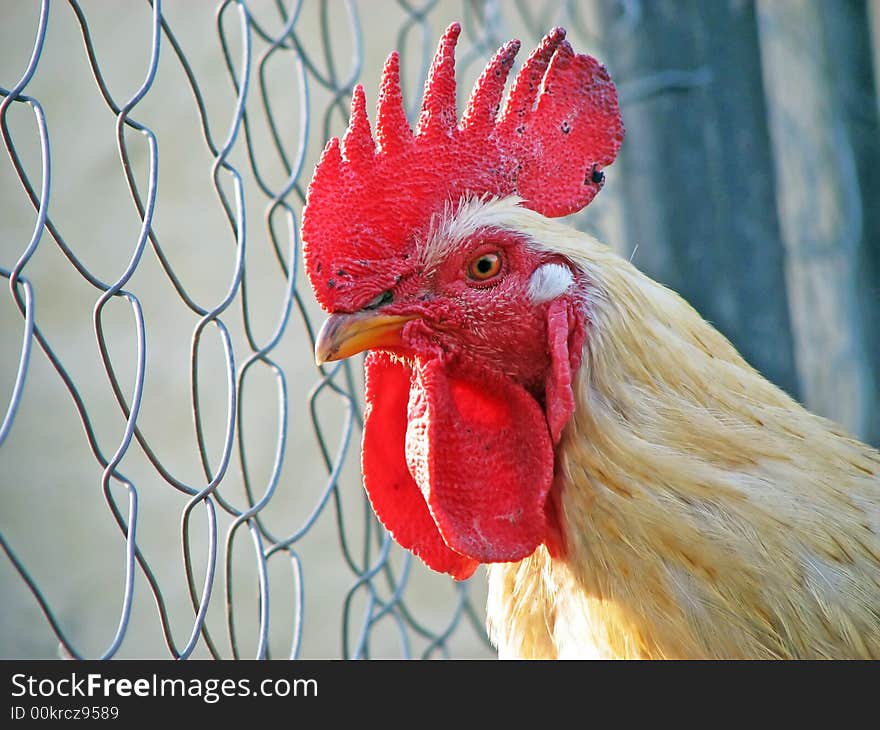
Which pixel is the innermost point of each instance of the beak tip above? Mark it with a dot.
(323, 355)
(344, 335)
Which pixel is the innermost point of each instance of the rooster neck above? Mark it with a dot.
(651, 573)
(705, 513)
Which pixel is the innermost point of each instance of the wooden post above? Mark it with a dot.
(817, 73)
(699, 189)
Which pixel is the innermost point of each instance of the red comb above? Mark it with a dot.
(558, 128)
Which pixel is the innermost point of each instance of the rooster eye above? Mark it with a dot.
(484, 267)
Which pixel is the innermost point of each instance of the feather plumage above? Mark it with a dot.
(706, 513)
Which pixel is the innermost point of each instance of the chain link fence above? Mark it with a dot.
(176, 478)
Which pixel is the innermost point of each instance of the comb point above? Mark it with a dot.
(357, 143)
(331, 157)
(392, 126)
(527, 84)
(485, 100)
(564, 50)
(438, 112)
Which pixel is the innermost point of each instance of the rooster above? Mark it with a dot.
(536, 404)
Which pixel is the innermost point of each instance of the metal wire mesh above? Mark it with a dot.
(225, 430)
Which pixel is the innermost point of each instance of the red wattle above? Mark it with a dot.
(481, 454)
(565, 342)
(457, 470)
(393, 493)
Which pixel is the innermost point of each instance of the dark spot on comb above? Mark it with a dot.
(318, 267)
(565, 128)
(597, 176)
(342, 272)
(521, 129)
(331, 283)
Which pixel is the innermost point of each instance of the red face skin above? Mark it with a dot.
(476, 325)
(463, 414)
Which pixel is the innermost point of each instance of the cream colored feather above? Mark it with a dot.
(706, 513)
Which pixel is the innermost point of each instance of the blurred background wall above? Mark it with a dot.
(158, 273)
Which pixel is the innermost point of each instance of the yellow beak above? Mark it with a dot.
(344, 335)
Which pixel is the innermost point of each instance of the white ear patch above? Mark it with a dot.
(548, 282)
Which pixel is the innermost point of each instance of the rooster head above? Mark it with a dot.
(474, 331)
